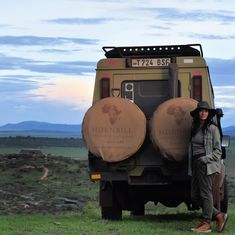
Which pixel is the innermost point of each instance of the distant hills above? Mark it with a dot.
(41, 129)
(45, 129)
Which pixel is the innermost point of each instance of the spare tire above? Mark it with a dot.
(114, 129)
(171, 127)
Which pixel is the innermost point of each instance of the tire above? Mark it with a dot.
(110, 207)
(170, 127)
(111, 213)
(109, 129)
(224, 202)
(138, 210)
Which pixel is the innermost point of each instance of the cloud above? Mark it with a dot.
(61, 67)
(12, 63)
(11, 85)
(225, 99)
(161, 27)
(79, 21)
(72, 67)
(13, 93)
(169, 14)
(4, 25)
(222, 71)
(38, 110)
(225, 96)
(43, 41)
(54, 51)
(70, 91)
(30, 98)
(221, 68)
(211, 36)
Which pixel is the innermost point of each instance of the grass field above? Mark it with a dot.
(230, 159)
(74, 152)
(158, 221)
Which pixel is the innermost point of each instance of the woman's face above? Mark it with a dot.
(203, 114)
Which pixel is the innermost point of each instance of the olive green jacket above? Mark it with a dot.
(213, 151)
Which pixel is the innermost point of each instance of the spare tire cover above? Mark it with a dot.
(114, 129)
(171, 127)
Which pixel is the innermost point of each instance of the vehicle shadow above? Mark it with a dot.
(166, 217)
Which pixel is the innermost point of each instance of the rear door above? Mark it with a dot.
(147, 94)
(147, 90)
(185, 84)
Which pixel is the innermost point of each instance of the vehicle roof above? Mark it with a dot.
(153, 51)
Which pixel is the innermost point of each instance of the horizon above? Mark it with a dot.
(42, 122)
(49, 51)
(79, 124)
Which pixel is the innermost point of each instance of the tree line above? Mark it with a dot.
(35, 142)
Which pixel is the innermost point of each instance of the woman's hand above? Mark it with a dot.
(203, 159)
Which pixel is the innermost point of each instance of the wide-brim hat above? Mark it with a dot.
(203, 105)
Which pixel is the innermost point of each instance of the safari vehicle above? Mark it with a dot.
(138, 128)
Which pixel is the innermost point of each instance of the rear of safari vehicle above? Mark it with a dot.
(138, 127)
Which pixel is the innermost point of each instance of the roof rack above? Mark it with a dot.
(153, 51)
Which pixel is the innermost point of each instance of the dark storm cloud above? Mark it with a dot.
(43, 41)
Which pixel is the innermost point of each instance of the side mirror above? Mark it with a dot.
(219, 113)
(225, 141)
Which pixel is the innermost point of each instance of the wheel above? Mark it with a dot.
(138, 210)
(224, 202)
(110, 207)
(111, 213)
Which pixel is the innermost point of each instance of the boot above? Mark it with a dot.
(221, 220)
(202, 227)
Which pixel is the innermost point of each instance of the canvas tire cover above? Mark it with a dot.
(171, 126)
(114, 129)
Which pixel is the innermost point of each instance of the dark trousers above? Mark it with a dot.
(201, 190)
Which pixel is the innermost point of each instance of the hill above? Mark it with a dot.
(45, 129)
(40, 129)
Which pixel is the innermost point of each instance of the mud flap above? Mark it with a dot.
(218, 188)
(216, 191)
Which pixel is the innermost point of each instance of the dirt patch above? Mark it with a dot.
(47, 184)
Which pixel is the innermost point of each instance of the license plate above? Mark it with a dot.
(150, 62)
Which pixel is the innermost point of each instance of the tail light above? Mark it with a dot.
(104, 88)
(197, 88)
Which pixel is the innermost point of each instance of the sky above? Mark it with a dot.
(49, 49)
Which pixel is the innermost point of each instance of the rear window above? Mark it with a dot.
(148, 95)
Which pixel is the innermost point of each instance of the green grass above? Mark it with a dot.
(157, 221)
(74, 152)
(230, 159)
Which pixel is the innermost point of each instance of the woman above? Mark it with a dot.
(204, 163)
